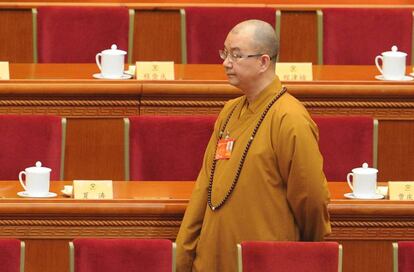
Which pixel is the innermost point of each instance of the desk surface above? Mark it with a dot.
(155, 209)
(167, 197)
(189, 72)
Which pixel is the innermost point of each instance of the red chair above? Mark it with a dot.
(11, 255)
(25, 139)
(121, 255)
(166, 147)
(266, 256)
(77, 34)
(346, 142)
(403, 256)
(204, 30)
(353, 36)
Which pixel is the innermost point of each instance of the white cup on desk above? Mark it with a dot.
(393, 64)
(37, 180)
(364, 181)
(111, 62)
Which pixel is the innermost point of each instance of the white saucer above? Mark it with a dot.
(124, 76)
(65, 193)
(25, 194)
(351, 195)
(405, 78)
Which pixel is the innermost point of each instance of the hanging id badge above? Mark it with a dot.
(224, 148)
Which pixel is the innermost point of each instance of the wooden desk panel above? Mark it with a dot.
(69, 90)
(155, 209)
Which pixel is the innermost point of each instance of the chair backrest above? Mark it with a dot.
(346, 142)
(269, 256)
(77, 34)
(204, 29)
(107, 255)
(166, 147)
(403, 256)
(25, 139)
(12, 255)
(357, 35)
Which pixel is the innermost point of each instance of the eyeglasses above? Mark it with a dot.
(234, 57)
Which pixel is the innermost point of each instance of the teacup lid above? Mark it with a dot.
(38, 168)
(114, 51)
(365, 169)
(394, 52)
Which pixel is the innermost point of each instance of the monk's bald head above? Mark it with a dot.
(263, 36)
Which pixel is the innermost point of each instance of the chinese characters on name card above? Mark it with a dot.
(154, 70)
(93, 189)
(4, 70)
(401, 190)
(294, 71)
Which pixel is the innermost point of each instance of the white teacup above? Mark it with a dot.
(67, 189)
(364, 181)
(393, 64)
(111, 62)
(37, 180)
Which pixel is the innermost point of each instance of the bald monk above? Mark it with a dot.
(262, 176)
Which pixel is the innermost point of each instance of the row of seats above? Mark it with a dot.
(345, 35)
(172, 147)
(158, 255)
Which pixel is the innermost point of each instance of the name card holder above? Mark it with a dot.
(294, 71)
(93, 189)
(4, 70)
(401, 190)
(154, 70)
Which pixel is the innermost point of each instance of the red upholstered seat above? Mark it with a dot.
(168, 147)
(122, 255)
(26, 139)
(77, 34)
(404, 256)
(346, 142)
(357, 35)
(267, 256)
(207, 28)
(10, 255)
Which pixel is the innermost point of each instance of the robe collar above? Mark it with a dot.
(267, 93)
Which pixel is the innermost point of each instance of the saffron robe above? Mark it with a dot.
(281, 194)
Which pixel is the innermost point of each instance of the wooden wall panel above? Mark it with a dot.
(47, 255)
(396, 150)
(355, 257)
(16, 38)
(157, 35)
(94, 149)
(298, 37)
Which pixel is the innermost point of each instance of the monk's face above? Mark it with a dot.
(241, 64)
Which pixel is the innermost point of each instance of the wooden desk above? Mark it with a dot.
(95, 108)
(155, 209)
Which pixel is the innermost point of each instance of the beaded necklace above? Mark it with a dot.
(241, 163)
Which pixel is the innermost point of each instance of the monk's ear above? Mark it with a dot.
(265, 62)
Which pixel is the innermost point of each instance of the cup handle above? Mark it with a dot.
(21, 179)
(377, 64)
(348, 179)
(98, 61)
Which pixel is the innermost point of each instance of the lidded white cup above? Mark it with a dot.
(37, 180)
(111, 62)
(364, 181)
(393, 64)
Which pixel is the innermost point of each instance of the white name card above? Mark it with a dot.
(4, 70)
(401, 190)
(154, 70)
(93, 189)
(294, 71)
